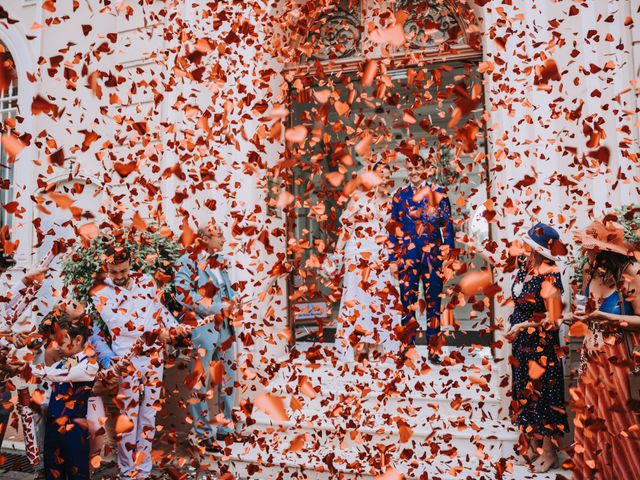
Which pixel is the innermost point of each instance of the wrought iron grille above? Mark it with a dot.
(338, 32)
(430, 24)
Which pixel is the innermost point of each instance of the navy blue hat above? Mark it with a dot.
(545, 240)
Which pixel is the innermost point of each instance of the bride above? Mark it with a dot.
(369, 308)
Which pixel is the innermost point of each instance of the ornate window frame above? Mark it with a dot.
(14, 39)
(460, 12)
(399, 60)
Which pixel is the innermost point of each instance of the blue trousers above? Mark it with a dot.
(5, 411)
(210, 343)
(66, 452)
(415, 268)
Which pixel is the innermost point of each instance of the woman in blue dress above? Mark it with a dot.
(538, 404)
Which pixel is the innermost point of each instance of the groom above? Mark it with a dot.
(421, 237)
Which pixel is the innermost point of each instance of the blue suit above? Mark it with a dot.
(419, 227)
(210, 342)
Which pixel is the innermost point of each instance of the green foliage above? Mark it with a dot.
(629, 217)
(444, 169)
(151, 253)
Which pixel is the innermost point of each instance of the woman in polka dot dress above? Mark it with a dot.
(538, 404)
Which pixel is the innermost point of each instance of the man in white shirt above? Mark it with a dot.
(130, 307)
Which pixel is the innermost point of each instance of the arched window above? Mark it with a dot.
(8, 109)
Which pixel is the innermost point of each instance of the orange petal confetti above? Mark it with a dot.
(296, 134)
(273, 406)
(578, 329)
(536, 370)
(123, 424)
(12, 145)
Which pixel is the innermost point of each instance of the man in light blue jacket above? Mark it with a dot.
(204, 289)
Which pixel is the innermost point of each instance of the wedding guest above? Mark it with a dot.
(369, 309)
(96, 413)
(607, 437)
(538, 403)
(11, 340)
(204, 289)
(129, 305)
(421, 239)
(70, 378)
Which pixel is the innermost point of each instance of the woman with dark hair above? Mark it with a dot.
(538, 404)
(607, 433)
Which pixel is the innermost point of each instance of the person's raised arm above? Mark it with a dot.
(449, 234)
(84, 371)
(105, 354)
(551, 291)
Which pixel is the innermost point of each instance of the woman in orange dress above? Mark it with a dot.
(607, 430)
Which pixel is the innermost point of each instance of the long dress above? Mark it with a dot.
(538, 402)
(369, 308)
(607, 432)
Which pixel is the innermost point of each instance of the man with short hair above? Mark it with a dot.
(129, 305)
(204, 289)
(422, 238)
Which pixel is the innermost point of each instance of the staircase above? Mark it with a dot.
(379, 421)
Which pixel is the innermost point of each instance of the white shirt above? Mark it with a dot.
(78, 368)
(128, 313)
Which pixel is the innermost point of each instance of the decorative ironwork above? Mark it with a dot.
(430, 24)
(339, 32)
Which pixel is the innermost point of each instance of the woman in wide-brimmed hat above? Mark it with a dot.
(607, 438)
(538, 404)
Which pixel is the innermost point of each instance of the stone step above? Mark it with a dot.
(377, 420)
(440, 381)
(453, 391)
(327, 462)
(495, 439)
(449, 416)
(332, 398)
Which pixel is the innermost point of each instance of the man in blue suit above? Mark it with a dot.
(203, 287)
(421, 238)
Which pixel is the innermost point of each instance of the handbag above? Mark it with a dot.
(634, 374)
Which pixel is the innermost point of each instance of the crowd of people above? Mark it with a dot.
(79, 358)
(409, 235)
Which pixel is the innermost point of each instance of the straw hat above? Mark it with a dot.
(607, 236)
(545, 240)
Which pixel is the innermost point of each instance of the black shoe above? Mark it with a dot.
(231, 437)
(434, 358)
(212, 446)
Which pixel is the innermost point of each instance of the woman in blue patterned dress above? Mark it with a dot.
(538, 404)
